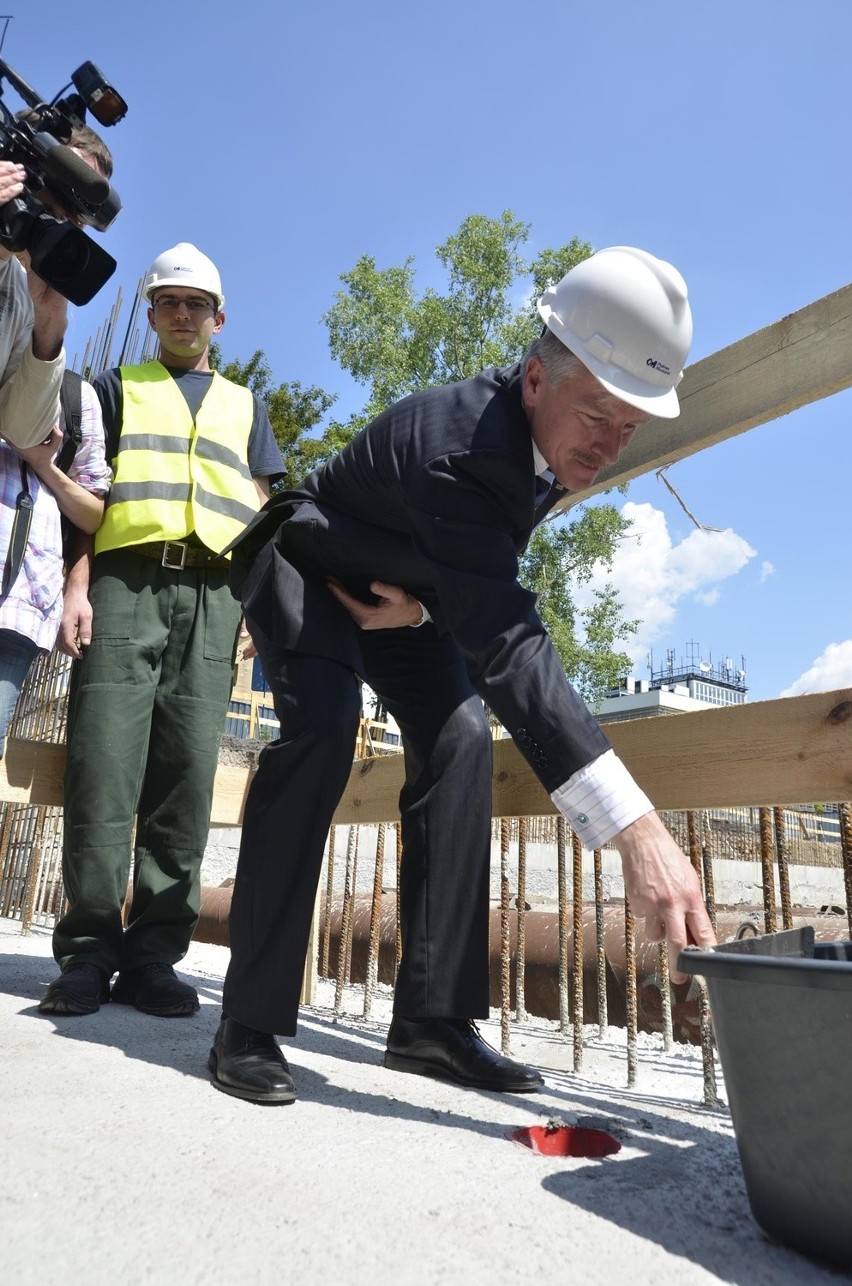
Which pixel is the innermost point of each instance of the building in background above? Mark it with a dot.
(680, 686)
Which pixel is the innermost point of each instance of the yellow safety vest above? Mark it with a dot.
(173, 477)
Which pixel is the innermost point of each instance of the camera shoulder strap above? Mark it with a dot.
(19, 536)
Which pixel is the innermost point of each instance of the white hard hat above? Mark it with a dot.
(626, 316)
(184, 265)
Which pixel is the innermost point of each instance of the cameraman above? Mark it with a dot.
(31, 578)
(33, 317)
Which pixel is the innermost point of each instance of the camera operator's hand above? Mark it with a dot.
(12, 178)
(51, 315)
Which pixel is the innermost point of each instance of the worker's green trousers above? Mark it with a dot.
(147, 709)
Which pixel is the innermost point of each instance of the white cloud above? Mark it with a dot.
(832, 669)
(653, 575)
(766, 570)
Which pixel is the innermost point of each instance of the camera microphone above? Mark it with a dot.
(64, 165)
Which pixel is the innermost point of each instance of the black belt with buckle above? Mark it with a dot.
(177, 554)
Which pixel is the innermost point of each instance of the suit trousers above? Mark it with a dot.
(445, 808)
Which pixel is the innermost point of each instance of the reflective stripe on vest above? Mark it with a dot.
(173, 477)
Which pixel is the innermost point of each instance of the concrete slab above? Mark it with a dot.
(120, 1163)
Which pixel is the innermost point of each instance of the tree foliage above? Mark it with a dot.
(395, 342)
(560, 557)
(293, 411)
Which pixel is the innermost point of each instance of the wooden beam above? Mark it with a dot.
(792, 751)
(798, 360)
(31, 772)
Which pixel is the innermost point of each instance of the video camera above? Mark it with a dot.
(60, 252)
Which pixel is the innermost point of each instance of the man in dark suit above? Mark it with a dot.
(398, 562)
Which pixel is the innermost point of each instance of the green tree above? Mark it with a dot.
(394, 341)
(560, 557)
(294, 411)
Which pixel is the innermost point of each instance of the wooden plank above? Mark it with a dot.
(31, 773)
(798, 360)
(792, 751)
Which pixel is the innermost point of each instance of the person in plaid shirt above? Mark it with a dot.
(31, 607)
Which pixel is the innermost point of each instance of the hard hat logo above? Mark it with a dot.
(615, 308)
(184, 265)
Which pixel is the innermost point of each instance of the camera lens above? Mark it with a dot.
(68, 257)
(68, 260)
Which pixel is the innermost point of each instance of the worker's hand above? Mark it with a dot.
(75, 630)
(663, 888)
(246, 644)
(394, 609)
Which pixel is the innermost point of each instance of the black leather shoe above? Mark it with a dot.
(156, 989)
(249, 1064)
(80, 989)
(453, 1048)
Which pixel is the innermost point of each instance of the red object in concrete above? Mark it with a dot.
(565, 1140)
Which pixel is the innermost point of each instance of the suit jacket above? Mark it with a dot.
(437, 495)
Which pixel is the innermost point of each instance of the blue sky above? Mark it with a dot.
(287, 140)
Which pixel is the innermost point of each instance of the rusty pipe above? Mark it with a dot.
(542, 956)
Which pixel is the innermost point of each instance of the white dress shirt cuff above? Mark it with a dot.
(601, 799)
(424, 617)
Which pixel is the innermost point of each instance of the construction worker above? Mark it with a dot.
(419, 522)
(153, 625)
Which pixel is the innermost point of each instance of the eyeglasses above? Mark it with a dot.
(171, 303)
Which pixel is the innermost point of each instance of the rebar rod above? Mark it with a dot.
(705, 1024)
(694, 843)
(631, 996)
(767, 865)
(665, 996)
(398, 907)
(783, 867)
(329, 890)
(562, 903)
(372, 971)
(346, 921)
(505, 941)
(845, 812)
(521, 953)
(707, 869)
(599, 943)
(708, 1057)
(577, 899)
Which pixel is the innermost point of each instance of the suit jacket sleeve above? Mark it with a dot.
(468, 513)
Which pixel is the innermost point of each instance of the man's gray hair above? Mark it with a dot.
(558, 361)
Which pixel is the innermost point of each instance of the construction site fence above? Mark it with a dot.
(782, 840)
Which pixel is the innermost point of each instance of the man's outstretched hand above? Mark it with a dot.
(663, 888)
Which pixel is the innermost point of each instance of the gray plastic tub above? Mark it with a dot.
(782, 1013)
